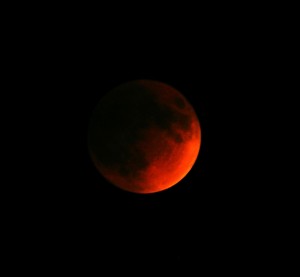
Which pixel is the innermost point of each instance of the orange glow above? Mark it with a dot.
(170, 161)
(170, 151)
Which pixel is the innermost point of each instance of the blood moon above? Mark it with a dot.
(144, 136)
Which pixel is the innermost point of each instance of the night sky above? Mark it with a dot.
(67, 215)
(76, 217)
(93, 220)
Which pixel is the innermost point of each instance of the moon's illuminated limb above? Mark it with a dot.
(144, 137)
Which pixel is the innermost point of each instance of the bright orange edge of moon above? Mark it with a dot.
(170, 161)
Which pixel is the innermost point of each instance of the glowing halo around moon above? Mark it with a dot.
(144, 136)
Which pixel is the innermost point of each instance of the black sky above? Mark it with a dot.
(76, 216)
(69, 216)
(88, 216)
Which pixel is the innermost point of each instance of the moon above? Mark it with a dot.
(144, 136)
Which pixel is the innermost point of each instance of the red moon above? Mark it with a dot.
(144, 136)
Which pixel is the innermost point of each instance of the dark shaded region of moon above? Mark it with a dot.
(144, 136)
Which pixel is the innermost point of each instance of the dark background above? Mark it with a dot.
(65, 214)
(86, 219)
(76, 218)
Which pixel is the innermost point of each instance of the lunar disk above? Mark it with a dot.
(144, 136)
